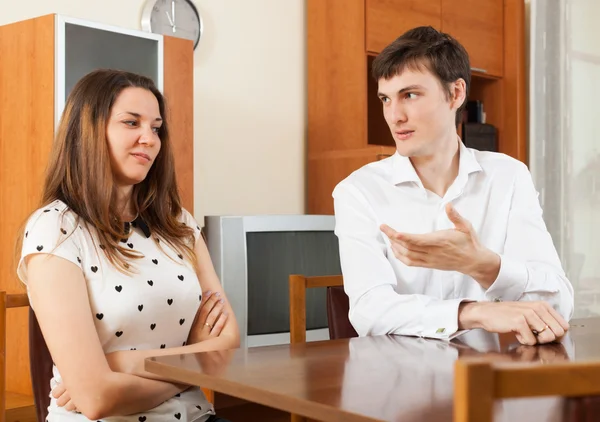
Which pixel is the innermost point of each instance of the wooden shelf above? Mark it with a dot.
(20, 407)
(346, 128)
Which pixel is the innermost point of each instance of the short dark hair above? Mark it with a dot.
(426, 47)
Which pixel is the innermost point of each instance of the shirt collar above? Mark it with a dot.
(138, 223)
(403, 170)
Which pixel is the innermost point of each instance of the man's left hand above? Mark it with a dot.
(456, 249)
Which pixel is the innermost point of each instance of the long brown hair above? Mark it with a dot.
(79, 171)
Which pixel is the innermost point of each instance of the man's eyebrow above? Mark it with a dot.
(403, 90)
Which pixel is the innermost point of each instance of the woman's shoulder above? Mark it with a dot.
(54, 214)
(188, 219)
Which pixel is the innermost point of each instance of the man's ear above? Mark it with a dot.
(458, 89)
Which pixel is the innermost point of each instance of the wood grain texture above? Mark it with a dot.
(336, 75)
(388, 19)
(384, 378)
(326, 171)
(179, 94)
(473, 384)
(26, 134)
(297, 308)
(514, 82)
(20, 408)
(478, 25)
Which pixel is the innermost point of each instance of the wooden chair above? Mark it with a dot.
(477, 383)
(13, 406)
(337, 306)
(337, 310)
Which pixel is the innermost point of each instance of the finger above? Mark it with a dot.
(417, 241)
(558, 317)
(213, 316)
(219, 324)
(410, 258)
(538, 326)
(524, 332)
(70, 406)
(58, 391)
(543, 310)
(388, 231)
(205, 296)
(63, 399)
(459, 222)
(207, 307)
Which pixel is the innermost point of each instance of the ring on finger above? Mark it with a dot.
(208, 325)
(538, 332)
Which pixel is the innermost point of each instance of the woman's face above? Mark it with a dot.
(132, 135)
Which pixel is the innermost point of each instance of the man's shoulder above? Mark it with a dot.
(367, 176)
(498, 162)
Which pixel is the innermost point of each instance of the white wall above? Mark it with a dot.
(249, 97)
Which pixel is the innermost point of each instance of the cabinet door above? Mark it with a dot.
(388, 19)
(325, 171)
(478, 25)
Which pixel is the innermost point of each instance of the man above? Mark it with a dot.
(440, 238)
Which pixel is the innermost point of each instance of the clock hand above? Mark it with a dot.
(173, 13)
(169, 17)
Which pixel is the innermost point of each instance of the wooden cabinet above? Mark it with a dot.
(327, 170)
(346, 128)
(388, 19)
(41, 60)
(479, 26)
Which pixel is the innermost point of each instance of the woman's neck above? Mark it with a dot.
(124, 204)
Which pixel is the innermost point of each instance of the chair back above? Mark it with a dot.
(40, 361)
(478, 382)
(338, 307)
(40, 364)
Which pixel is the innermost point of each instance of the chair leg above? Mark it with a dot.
(297, 418)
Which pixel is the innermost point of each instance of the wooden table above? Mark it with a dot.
(385, 378)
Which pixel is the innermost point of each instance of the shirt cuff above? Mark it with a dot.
(510, 283)
(441, 319)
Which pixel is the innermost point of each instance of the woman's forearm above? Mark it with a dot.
(126, 394)
(132, 361)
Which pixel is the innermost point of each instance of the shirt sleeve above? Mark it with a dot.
(50, 231)
(376, 307)
(530, 268)
(188, 219)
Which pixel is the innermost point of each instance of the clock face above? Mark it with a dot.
(178, 18)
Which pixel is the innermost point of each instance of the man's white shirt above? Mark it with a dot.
(492, 191)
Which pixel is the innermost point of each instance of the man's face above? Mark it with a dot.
(418, 111)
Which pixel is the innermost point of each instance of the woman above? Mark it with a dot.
(115, 267)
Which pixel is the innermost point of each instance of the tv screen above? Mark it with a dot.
(272, 257)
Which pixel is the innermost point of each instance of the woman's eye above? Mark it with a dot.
(130, 122)
(411, 95)
(156, 129)
(384, 99)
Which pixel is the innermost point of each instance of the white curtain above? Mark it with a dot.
(564, 147)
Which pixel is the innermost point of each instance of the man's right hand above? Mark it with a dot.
(532, 322)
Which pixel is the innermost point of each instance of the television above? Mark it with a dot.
(254, 257)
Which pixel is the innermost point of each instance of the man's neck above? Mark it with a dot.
(437, 172)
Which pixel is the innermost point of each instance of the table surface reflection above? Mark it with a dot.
(383, 378)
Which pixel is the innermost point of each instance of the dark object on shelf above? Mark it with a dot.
(475, 111)
(480, 136)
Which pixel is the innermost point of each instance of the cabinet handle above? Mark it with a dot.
(478, 69)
